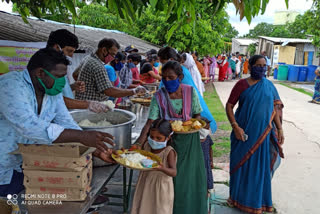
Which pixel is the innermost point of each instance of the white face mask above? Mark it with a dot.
(204, 133)
(69, 59)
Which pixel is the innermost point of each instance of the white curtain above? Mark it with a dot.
(191, 65)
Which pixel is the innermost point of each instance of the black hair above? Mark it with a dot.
(167, 53)
(179, 58)
(163, 126)
(120, 56)
(151, 52)
(237, 52)
(63, 38)
(108, 43)
(146, 67)
(184, 56)
(153, 57)
(135, 57)
(254, 59)
(195, 53)
(173, 65)
(47, 58)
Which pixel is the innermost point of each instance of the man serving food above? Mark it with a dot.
(32, 111)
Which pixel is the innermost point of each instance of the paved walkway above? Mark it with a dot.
(295, 184)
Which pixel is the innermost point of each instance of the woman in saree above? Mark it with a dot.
(206, 64)
(168, 54)
(200, 67)
(256, 139)
(316, 95)
(191, 65)
(212, 68)
(223, 67)
(245, 65)
(176, 101)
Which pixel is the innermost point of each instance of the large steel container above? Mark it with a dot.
(121, 120)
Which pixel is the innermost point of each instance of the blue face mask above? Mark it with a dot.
(171, 85)
(131, 65)
(156, 145)
(118, 66)
(156, 64)
(257, 73)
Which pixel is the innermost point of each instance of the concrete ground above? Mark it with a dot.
(295, 184)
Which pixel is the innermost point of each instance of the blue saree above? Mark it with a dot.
(316, 95)
(252, 163)
(187, 80)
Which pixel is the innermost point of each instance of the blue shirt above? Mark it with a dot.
(111, 73)
(67, 91)
(20, 122)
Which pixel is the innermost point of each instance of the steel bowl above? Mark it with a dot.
(121, 120)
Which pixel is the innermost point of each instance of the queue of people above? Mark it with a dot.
(36, 112)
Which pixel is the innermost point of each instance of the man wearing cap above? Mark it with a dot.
(131, 49)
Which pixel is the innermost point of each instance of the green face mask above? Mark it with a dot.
(57, 87)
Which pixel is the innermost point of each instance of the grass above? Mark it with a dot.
(215, 106)
(297, 89)
(225, 126)
(222, 144)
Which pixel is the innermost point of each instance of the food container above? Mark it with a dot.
(121, 120)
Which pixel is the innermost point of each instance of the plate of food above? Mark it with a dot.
(141, 100)
(137, 159)
(191, 126)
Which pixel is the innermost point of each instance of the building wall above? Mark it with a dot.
(316, 60)
(235, 46)
(265, 45)
(299, 54)
(243, 49)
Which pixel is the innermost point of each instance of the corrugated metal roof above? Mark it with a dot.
(13, 28)
(245, 41)
(282, 40)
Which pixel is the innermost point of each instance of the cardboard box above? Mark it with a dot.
(36, 178)
(39, 162)
(57, 193)
(71, 150)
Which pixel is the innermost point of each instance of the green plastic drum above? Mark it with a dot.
(283, 72)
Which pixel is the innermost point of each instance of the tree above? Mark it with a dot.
(152, 27)
(179, 13)
(262, 29)
(302, 25)
(252, 49)
(231, 33)
(281, 31)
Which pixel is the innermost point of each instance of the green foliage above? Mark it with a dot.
(252, 49)
(99, 16)
(314, 22)
(178, 13)
(153, 27)
(262, 29)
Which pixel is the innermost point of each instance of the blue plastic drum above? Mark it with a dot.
(275, 73)
(293, 73)
(302, 73)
